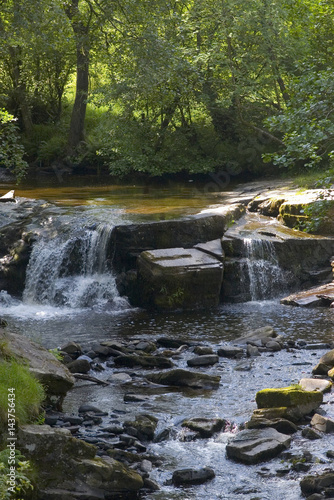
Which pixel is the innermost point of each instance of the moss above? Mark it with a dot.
(293, 395)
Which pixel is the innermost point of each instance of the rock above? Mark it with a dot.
(293, 397)
(128, 241)
(315, 384)
(177, 278)
(205, 360)
(88, 408)
(317, 484)
(311, 434)
(273, 346)
(135, 398)
(282, 425)
(330, 373)
(79, 366)
(230, 352)
(146, 466)
(252, 351)
(314, 297)
(259, 334)
(132, 360)
(322, 424)
(72, 348)
(203, 351)
(52, 374)
(256, 445)
(244, 366)
(101, 350)
(206, 427)
(184, 378)
(66, 463)
(213, 248)
(150, 484)
(328, 359)
(145, 426)
(321, 369)
(192, 476)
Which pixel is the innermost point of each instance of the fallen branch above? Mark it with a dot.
(82, 376)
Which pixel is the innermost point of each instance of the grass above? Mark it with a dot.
(29, 393)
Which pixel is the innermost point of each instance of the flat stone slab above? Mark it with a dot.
(319, 296)
(177, 278)
(213, 248)
(315, 384)
(292, 396)
(252, 446)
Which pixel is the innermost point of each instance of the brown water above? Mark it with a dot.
(152, 200)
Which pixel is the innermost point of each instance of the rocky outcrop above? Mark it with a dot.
(53, 375)
(178, 278)
(68, 469)
(252, 446)
(128, 241)
(291, 258)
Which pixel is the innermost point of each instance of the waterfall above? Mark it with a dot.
(266, 279)
(68, 267)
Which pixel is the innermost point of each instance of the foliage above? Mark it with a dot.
(182, 86)
(11, 151)
(23, 475)
(55, 352)
(307, 124)
(29, 393)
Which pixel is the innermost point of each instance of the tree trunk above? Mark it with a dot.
(81, 32)
(77, 125)
(20, 93)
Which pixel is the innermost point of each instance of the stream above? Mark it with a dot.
(57, 307)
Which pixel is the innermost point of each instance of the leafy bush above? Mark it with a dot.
(307, 125)
(23, 475)
(11, 150)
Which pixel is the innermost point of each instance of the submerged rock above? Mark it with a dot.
(256, 445)
(184, 378)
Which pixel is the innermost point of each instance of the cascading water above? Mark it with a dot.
(266, 279)
(68, 267)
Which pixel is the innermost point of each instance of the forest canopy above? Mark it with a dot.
(162, 86)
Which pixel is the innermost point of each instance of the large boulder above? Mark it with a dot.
(128, 241)
(321, 483)
(67, 468)
(184, 378)
(326, 362)
(297, 401)
(178, 278)
(52, 374)
(252, 446)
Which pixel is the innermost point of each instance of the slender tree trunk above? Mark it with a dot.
(20, 92)
(77, 125)
(81, 32)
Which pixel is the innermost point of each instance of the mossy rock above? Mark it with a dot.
(293, 398)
